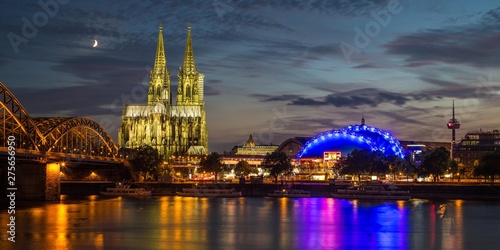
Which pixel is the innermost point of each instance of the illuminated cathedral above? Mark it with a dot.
(174, 129)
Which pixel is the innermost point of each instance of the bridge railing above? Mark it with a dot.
(27, 154)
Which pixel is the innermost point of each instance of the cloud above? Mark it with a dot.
(269, 98)
(99, 68)
(367, 96)
(401, 118)
(477, 45)
(342, 7)
(210, 90)
(322, 51)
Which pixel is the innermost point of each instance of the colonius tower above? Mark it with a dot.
(172, 129)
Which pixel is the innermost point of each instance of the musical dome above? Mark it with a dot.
(352, 137)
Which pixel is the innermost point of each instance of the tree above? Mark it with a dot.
(212, 164)
(408, 167)
(379, 163)
(146, 161)
(453, 168)
(489, 165)
(360, 162)
(355, 163)
(277, 163)
(242, 168)
(395, 165)
(434, 162)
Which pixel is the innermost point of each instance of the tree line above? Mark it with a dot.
(434, 163)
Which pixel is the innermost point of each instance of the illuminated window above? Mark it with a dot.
(332, 156)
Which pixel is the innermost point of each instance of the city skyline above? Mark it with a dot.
(272, 69)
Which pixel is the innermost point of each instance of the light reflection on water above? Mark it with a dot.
(254, 223)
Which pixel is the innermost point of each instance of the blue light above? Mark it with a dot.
(350, 138)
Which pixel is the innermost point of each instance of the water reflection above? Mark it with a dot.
(254, 223)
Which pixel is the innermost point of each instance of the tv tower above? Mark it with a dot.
(453, 124)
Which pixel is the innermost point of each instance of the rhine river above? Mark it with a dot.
(170, 222)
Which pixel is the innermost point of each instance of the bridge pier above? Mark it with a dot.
(52, 181)
(34, 181)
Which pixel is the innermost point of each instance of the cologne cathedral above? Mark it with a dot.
(174, 129)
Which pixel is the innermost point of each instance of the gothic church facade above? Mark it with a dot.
(172, 128)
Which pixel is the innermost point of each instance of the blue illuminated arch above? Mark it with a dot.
(349, 138)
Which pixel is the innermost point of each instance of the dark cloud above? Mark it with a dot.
(439, 82)
(477, 45)
(104, 69)
(476, 89)
(269, 98)
(211, 90)
(492, 16)
(213, 82)
(342, 7)
(73, 101)
(366, 66)
(402, 118)
(322, 51)
(307, 102)
(367, 96)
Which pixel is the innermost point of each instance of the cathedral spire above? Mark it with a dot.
(160, 59)
(190, 87)
(188, 65)
(159, 81)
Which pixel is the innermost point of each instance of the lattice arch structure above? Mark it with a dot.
(16, 122)
(76, 135)
(68, 135)
(350, 138)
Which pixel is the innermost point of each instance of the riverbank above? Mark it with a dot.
(317, 189)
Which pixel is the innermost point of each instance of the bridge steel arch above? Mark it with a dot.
(17, 122)
(71, 131)
(49, 135)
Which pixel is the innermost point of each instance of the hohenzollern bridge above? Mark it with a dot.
(47, 143)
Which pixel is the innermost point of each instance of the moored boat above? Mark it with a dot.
(372, 192)
(125, 189)
(208, 191)
(290, 192)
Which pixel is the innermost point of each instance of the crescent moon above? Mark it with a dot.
(95, 43)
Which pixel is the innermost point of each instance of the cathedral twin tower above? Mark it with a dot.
(173, 129)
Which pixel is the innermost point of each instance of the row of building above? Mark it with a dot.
(178, 130)
(466, 152)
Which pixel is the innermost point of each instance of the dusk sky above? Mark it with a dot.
(273, 69)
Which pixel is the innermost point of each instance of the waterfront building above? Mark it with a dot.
(416, 148)
(330, 145)
(172, 128)
(291, 147)
(251, 149)
(250, 152)
(319, 154)
(474, 145)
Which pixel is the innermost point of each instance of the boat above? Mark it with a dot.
(372, 192)
(208, 191)
(125, 189)
(288, 191)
